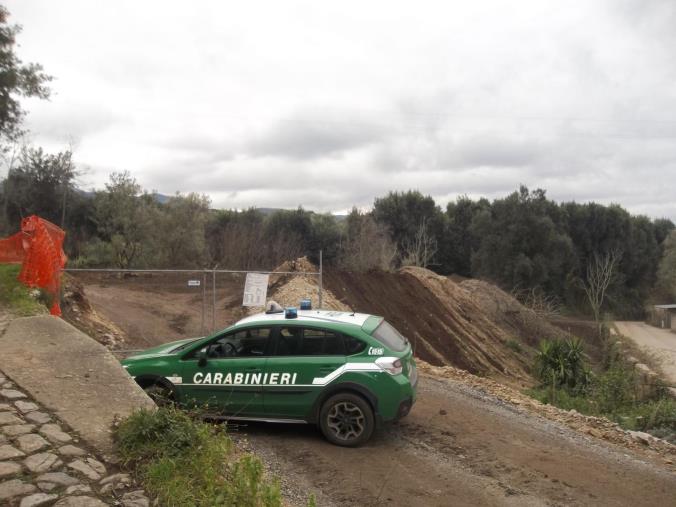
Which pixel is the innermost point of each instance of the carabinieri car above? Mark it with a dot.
(346, 372)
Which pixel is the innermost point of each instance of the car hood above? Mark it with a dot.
(165, 348)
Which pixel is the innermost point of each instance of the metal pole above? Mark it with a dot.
(204, 298)
(321, 281)
(213, 300)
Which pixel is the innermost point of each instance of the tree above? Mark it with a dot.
(600, 273)
(666, 272)
(16, 80)
(125, 218)
(421, 248)
(366, 244)
(180, 234)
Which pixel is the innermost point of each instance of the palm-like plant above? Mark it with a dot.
(561, 363)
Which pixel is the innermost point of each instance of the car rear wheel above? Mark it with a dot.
(161, 395)
(346, 419)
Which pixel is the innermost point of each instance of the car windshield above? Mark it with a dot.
(183, 346)
(386, 334)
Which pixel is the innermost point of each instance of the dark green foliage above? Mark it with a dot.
(562, 363)
(184, 462)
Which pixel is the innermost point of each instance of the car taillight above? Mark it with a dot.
(391, 365)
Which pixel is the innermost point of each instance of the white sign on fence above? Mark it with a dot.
(193, 283)
(255, 289)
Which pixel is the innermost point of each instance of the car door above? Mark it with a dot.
(301, 364)
(226, 374)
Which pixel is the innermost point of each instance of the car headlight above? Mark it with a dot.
(391, 365)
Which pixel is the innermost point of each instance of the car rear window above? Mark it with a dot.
(390, 337)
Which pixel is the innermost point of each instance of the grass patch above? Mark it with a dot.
(185, 462)
(16, 296)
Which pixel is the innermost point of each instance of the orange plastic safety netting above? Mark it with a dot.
(39, 249)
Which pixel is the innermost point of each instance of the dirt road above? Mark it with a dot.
(461, 447)
(661, 343)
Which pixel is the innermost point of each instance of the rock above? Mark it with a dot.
(6, 406)
(46, 486)
(84, 469)
(31, 443)
(640, 436)
(14, 488)
(115, 478)
(25, 406)
(37, 499)
(80, 501)
(8, 468)
(14, 430)
(60, 478)
(79, 488)
(71, 450)
(55, 434)
(594, 432)
(135, 499)
(9, 418)
(38, 463)
(572, 411)
(96, 465)
(38, 417)
(12, 394)
(9, 452)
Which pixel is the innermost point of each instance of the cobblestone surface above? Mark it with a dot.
(43, 463)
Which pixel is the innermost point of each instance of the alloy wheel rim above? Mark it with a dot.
(346, 420)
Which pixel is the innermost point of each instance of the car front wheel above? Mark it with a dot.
(346, 419)
(161, 395)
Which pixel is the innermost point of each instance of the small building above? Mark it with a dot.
(663, 316)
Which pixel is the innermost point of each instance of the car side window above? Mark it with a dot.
(296, 341)
(353, 345)
(245, 343)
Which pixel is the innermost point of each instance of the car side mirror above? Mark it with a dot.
(202, 358)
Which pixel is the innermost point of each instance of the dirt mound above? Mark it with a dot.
(79, 312)
(508, 313)
(444, 323)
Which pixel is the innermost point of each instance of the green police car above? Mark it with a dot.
(345, 372)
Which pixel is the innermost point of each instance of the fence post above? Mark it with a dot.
(204, 298)
(213, 299)
(321, 281)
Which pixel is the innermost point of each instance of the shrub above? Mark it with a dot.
(562, 363)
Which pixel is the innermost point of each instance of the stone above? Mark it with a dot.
(80, 501)
(135, 499)
(14, 430)
(60, 478)
(37, 499)
(78, 488)
(84, 469)
(25, 406)
(9, 452)
(594, 432)
(46, 486)
(5, 407)
(115, 478)
(14, 488)
(55, 434)
(97, 465)
(8, 468)
(12, 394)
(30, 443)
(38, 463)
(38, 417)
(71, 450)
(644, 438)
(9, 418)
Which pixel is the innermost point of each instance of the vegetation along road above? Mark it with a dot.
(460, 446)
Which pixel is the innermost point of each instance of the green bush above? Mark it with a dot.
(562, 363)
(186, 462)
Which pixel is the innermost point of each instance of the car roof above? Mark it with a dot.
(308, 317)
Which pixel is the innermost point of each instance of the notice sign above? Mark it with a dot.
(193, 283)
(255, 289)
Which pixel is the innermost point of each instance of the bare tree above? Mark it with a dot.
(421, 249)
(600, 273)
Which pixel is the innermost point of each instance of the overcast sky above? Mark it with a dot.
(331, 104)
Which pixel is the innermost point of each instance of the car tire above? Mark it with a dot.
(347, 420)
(162, 395)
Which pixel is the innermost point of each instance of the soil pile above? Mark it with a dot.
(440, 318)
(508, 313)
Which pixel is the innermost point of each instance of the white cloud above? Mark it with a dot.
(330, 104)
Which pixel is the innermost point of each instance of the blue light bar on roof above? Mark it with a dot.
(291, 313)
(305, 304)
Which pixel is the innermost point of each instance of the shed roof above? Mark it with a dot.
(666, 307)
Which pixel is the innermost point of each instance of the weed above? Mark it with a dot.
(17, 297)
(515, 346)
(186, 462)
